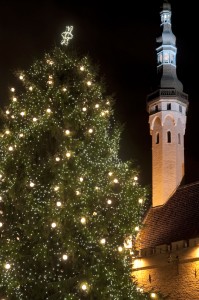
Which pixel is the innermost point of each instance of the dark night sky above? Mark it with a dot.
(120, 38)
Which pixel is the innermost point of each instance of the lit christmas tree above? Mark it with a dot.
(69, 207)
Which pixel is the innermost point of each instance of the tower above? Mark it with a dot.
(167, 108)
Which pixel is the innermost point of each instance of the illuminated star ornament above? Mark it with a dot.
(67, 35)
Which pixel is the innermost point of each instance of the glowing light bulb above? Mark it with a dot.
(1, 199)
(120, 249)
(140, 200)
(84, 109)
(84, 286)
(7, 112)
(90, 130)
(57, 159)
(12, 89)
(103, 241)
(21, 77)
(83, 220)
(81, 179)
(48, 110)
(135, 178)
(82, 68)
(109, 201)
(89, 83)
(96, 105)
(56, 188)
(64, 89)
(115, 180)
(65, 256)
(77, 193)
(30, 88)
(22, 113)
(7, 131)
(96, 188)
(32, 184)
(153, 295)
(103, 114)
(1, 224)
(1, 176)
(10, 148)
(58, 203)
(67, 132)
(94, 213)
(7, 266)
(21, 135)
(34, 119)
(110, 173)
(137, 228)
(68, 154)
(14, 99)
(53, 225)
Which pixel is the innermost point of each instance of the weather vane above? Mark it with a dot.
(67, 35)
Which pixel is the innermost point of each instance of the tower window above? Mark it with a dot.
(180, 108)
(157, 140)
(168, 136)
(156, 108)
(179, 139)
(168, 106)
(166, 57)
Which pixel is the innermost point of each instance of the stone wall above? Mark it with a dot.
(173, 270)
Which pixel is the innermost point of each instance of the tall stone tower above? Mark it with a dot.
(167, 107)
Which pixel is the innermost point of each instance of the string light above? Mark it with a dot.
(68, 154)
(58, 203)
(53, 225)
(67, 132)
(89, 83)
(83, 220)
(103, 241)
(82, 68)
(65, 256)
(7, 266)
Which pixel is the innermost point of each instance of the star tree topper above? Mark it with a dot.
(67, 35)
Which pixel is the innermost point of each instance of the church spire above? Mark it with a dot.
(167, 107)
(166, 52)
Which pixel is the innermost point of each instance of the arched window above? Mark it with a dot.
(179, 140)
(157, 140)
(168, 136)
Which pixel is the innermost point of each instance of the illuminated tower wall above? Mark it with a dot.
(167, 107)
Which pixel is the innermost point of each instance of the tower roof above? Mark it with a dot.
(176, 220)
(166, 5)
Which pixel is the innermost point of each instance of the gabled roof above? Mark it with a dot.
(177, 219)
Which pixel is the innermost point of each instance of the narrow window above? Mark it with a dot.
(179, 141)
(168, 136)
(180, 108)
(157, 138)
(156, 108)
(168, 106)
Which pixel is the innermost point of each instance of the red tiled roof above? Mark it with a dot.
(177, 219)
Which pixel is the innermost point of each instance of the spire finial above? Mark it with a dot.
(67, 35)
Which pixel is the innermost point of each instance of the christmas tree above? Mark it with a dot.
(69, 206)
